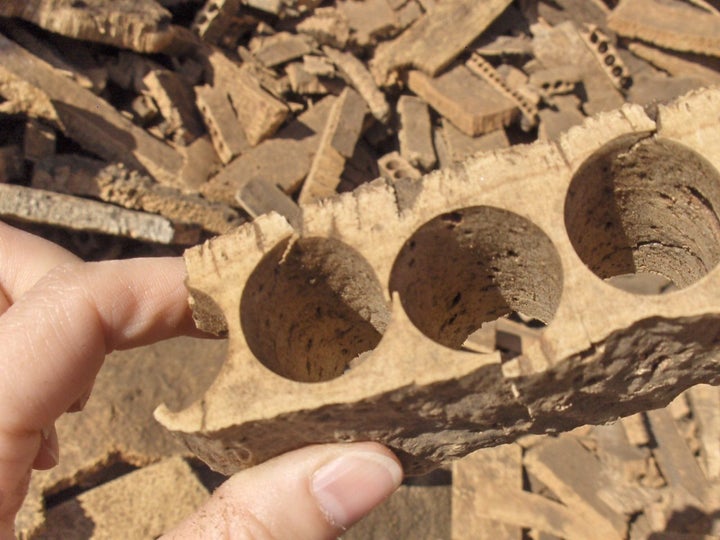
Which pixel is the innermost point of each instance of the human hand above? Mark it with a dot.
(59, 317)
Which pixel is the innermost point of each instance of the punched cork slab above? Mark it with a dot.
(355, 326)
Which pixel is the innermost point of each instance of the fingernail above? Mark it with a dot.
(349, 487)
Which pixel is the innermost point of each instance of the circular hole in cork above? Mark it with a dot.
(311, 308)
(645, 206)
(474, 266)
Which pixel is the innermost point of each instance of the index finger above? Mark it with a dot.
(55, 338)
(24, 259)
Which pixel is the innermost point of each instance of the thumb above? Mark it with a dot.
(309, 494)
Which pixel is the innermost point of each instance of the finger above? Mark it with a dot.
(55, 337)
(312, 494)
(17, 452)
(25, 258)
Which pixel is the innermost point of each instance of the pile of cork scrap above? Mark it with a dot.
(173, 120)
(169, 121)
(649, 476)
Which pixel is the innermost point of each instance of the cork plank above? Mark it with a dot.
(428, 46)
(224, 128)
(359, 77)
(337, 143)
(599, 358)
(280, 48)
(415, 133)
(471, 475)
(679, 64)
(113, 183)
(607, 56)
(471, 104)
(257, 197)
(676, 461)
(671, 24)
(40, 206)
(352, 110)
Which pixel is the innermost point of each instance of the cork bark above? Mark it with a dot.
(352, 326)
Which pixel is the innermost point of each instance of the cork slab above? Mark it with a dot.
(355, 326)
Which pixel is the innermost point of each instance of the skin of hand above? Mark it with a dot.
(60, 316)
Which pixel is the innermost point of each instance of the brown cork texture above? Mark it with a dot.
(355, 325)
